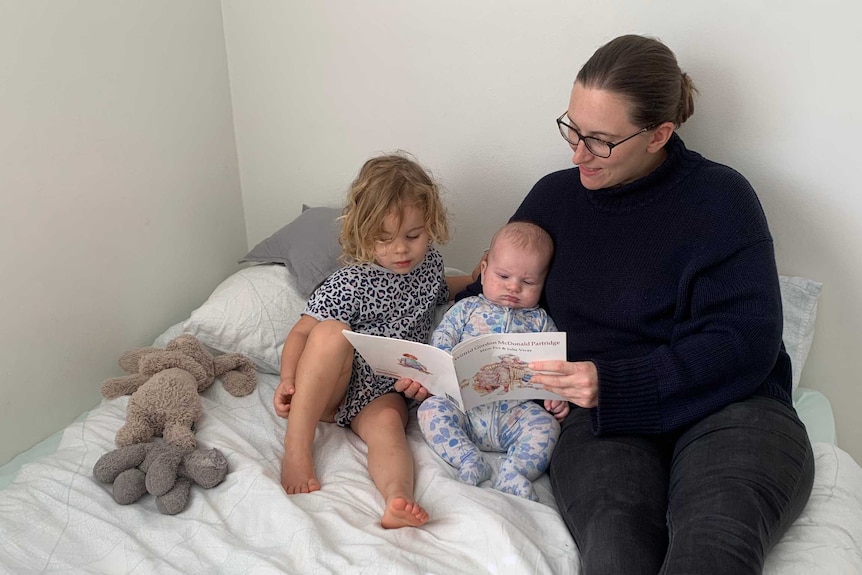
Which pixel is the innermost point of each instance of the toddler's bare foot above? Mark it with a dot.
(297, 472)
(401, 512)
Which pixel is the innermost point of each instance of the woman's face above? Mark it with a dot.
(605, 115)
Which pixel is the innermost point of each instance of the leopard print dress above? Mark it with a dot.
(373, 300)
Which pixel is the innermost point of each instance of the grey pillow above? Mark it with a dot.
(308, 246)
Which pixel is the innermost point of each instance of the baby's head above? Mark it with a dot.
(513, 274)
(393, 213)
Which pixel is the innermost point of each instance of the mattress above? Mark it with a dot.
(54, 517)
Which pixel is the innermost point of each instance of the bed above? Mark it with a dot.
(55, 517)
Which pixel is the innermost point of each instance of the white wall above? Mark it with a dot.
(120, 206)
(472, 88)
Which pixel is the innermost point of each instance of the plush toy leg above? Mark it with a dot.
(129, 486)
(138, 427)
(111, 464)
(162, 470)
(119, 386)
(180, 434)
(176, 499)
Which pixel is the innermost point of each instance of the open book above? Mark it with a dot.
(480, 370)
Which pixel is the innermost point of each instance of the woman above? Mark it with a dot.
(687, 455)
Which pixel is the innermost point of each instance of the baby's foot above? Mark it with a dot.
(297, 472)
(474, 470)
(401, 512)
(516, 484)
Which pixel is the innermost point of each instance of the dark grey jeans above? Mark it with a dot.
(711, 498)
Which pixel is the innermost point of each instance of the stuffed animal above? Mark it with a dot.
(165, 388)
(163, 470)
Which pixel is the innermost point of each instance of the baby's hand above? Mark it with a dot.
(559, 408)
(411, 389)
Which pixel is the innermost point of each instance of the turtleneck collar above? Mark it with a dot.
(635, 195)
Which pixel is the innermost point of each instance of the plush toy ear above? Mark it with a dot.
(237, 373)
(124, 385)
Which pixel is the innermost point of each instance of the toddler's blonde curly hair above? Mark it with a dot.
(388, 184)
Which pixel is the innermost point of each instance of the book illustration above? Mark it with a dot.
(510, 371)
(411, 361)
(480, 370)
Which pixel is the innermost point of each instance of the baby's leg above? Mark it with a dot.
(446, 430)
(381, 425)
(528, 433)
(322, 376)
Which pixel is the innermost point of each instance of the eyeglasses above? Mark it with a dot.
(595, 146)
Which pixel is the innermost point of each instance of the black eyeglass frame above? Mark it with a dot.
(585, 139)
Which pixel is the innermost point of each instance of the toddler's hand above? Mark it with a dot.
(283, 395)
(411, 389)
(559, 408)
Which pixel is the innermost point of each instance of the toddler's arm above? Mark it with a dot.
(294, 345)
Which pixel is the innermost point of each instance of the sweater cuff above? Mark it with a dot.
(628, 398)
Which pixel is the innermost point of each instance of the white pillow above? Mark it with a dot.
(799, 299)
(251, 313)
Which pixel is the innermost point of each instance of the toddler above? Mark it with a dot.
(390, 286)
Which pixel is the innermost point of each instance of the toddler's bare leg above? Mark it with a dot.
(381, 425)
(322, 376)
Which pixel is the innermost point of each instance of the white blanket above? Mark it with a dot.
(55, 517)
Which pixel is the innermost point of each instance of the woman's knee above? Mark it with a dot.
(612, 493)
(739, 478)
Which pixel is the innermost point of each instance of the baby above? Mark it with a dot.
(513, 275)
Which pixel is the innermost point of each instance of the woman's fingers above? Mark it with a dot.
(577, 381)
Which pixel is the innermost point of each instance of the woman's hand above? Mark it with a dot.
(577, 381)
(411, 389)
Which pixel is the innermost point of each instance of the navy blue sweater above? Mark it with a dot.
(669, 286)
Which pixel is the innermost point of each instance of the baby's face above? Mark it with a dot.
(513, 277)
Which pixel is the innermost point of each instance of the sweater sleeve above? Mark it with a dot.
(722, 349)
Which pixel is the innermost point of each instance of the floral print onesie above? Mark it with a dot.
(523, 430)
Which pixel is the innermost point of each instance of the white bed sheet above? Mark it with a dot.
(55, 518)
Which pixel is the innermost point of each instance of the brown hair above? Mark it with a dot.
(385, 184)
(645, 72)
(526, 235)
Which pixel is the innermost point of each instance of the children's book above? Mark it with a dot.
(480, 370)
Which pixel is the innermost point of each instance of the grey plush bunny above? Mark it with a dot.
(166, 471)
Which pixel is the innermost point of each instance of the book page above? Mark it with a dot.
(494, 366)
(397, 358)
